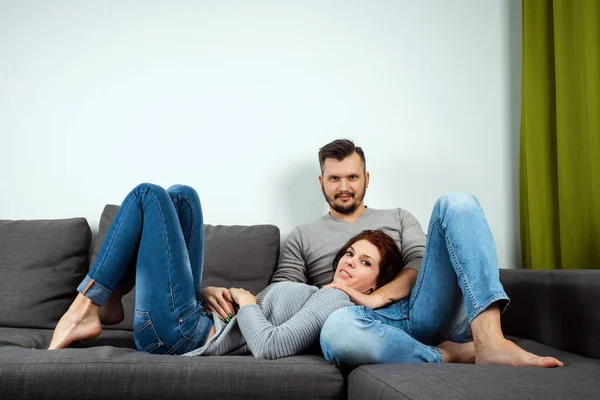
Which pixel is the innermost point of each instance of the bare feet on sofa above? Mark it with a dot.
(80, 322)
(492, 348)
(505, 352)
(453, 352)
(111, 313)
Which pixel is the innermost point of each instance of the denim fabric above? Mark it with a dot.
(458, 279)
(157, 241)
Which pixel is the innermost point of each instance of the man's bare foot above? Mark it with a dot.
(80, 322)
(505, 352)
(453, 352)
(492, 348)
(112, 313)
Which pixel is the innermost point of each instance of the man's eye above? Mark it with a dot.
(333, 178)
(353, 177)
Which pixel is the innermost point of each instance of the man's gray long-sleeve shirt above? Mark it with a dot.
(309, 251)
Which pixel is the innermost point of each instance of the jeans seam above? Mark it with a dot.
(421, 276)
(458, 265)
(193, 227)
(109, 245)
(176, 346)
(176, 315)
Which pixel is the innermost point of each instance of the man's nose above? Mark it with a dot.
(344, 185)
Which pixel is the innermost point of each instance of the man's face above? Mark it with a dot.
(344, 183)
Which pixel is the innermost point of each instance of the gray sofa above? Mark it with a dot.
(41, 263)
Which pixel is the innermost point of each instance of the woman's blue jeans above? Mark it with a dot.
(458, 279)
(157, 241)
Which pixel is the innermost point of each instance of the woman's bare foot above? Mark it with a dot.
(112, 313)
(505, 352)
(80, 322)
(453, 352)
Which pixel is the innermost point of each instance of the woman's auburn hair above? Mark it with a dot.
(391, 259)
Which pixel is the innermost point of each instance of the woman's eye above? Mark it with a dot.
(349, 253)
(366, 263)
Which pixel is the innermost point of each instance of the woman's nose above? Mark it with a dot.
(351, 262)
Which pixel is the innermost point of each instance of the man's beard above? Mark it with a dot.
(348, 209)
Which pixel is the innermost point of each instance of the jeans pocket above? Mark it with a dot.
(144, 334)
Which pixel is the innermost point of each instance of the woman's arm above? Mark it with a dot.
(297, 333)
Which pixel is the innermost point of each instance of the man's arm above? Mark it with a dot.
(291, 266)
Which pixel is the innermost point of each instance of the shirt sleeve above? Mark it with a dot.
(291, 266)
(413, 241)
(296, 334)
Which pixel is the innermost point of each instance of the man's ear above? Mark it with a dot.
(321, 180)
(367, 178)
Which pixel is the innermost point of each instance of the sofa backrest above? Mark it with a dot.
(234, 256)
(559, 308)
(43, 261)
(41, 264)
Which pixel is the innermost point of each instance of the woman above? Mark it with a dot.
(159, 233)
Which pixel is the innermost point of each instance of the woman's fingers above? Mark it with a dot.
(217, 303)
(226, 306)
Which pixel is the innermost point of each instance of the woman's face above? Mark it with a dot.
(359, 267)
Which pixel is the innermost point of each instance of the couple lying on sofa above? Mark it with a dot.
(158, 236)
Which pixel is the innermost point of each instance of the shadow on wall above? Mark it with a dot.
(514, 108)
(302, 196)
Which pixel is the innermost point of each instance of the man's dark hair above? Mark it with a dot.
(340, 149)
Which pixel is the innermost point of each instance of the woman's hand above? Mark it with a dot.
(371, 301)
(242, 297)
(219, 300)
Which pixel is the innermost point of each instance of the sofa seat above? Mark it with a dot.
(580, 378)
(107, 368)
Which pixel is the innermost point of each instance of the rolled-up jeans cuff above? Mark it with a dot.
(481, 308)
(94, 291)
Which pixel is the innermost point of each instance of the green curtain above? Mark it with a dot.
(560, 134)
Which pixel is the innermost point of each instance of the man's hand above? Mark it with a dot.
(371, 301)
(242, 297)
(219, 300)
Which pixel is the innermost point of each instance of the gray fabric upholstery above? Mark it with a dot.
(40, 338)
(559, 308)
(112, 373)
(578, 379)
(41, 264)
(242, 256)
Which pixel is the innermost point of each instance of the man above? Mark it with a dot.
(399, 323)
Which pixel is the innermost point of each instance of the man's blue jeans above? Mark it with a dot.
(156, 241)
(458, 279)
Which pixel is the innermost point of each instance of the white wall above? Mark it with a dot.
(235, 98)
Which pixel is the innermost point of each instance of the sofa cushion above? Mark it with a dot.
(241, 256)
(578, 379)
(40, 338)
(113, 373)
(41, 264)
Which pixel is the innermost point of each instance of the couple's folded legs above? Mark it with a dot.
(458, 284)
